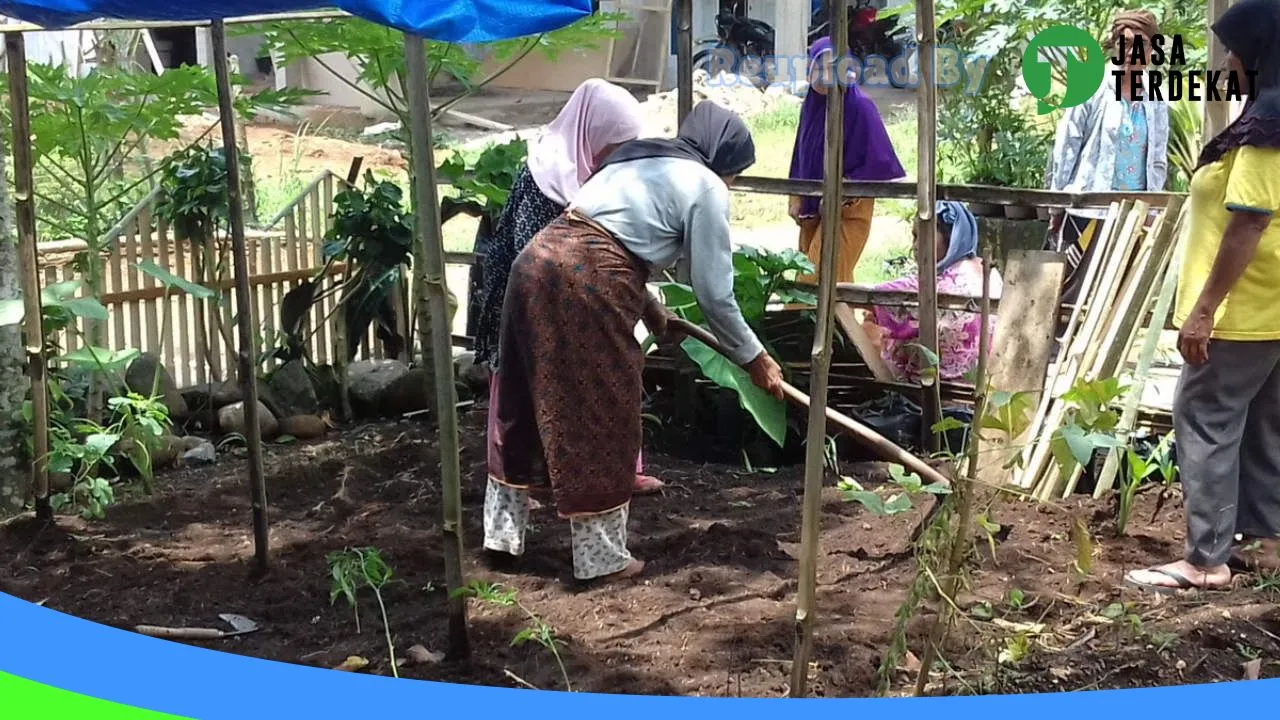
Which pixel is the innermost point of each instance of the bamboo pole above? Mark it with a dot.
(29, 263)
(438, 351)
(963, 495)
(926, 219)
(820, 356)
(1129, 416)
(245, 321)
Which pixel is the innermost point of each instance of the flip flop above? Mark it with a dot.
(1183, 584)
(648, 485)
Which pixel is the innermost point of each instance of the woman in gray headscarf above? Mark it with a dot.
(570, 380)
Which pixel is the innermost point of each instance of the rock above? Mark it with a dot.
(303, 427)
(471, 374)
(231, 420)
(292, 390)
(141, 377)
(382, 388)
(166, 453)
(328, 392)
(199, 398)
(191, 442)
(203, 454)
(163, 451)
(228, 393)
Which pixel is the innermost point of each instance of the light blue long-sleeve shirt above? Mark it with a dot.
(663, 208)
(1085, 147)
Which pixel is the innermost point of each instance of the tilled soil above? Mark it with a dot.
(713, 613)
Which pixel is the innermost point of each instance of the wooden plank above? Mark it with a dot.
(133, 281)
(1100, 307)
(1021, 345)
(188, 311)
(116, 283)
(262, 291)
(313, 249)
(1023, 340)
(150, 310)
(1054, 386)
(168, 307)
(852, 329)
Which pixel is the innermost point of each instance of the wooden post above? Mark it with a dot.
(1216, 114)
(244, 306)
(684, 59)
(684, 87)
(438, 351)
(820, 356)
(15, 48)
(926, 220)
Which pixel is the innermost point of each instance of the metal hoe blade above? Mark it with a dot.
(240, 624)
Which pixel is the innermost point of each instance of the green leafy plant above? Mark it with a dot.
(1158, 464)
(537, 631)
(372, 232)
(893, 499)
(1089, 425)
(760, 277)
(353, 570)
(142, 423)
(488, 180)
(87, 451)
(1186, 138)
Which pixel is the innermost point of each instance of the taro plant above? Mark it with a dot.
(537, 631)
(373, 233)
(1158, 464)
(356, 569)
(760, 278)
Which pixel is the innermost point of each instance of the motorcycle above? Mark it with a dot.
(741, 47)
(869, 34)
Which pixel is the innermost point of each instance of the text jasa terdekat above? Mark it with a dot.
(1154, 69)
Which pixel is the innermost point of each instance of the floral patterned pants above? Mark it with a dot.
(599, 541)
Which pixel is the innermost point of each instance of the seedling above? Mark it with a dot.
(538, 631)
(354, 569)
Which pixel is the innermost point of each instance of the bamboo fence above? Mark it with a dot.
(190, 343)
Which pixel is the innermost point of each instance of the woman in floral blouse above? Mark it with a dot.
(897, 330)
(1107, 145)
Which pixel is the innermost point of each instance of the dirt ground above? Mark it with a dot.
(712, 614)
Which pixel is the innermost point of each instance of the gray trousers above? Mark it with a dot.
(1226, 418)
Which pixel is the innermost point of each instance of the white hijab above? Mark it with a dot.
(599, 114)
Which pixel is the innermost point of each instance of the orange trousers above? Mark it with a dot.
(855, 228)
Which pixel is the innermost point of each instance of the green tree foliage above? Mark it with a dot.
(377, 53)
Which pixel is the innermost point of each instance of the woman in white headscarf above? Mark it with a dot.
(597, 119)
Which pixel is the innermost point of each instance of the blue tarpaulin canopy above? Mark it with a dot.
(461, 21)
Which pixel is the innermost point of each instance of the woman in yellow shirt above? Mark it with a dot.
(1227, 408)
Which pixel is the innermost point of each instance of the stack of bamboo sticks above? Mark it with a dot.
(1130, 278)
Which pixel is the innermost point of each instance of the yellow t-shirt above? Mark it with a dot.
(1246, 178)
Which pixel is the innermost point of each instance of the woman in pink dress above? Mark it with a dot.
(897, 330)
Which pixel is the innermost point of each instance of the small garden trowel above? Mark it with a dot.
(240, 625)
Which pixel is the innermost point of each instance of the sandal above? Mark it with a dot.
(1183, 583)
(648, 485)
